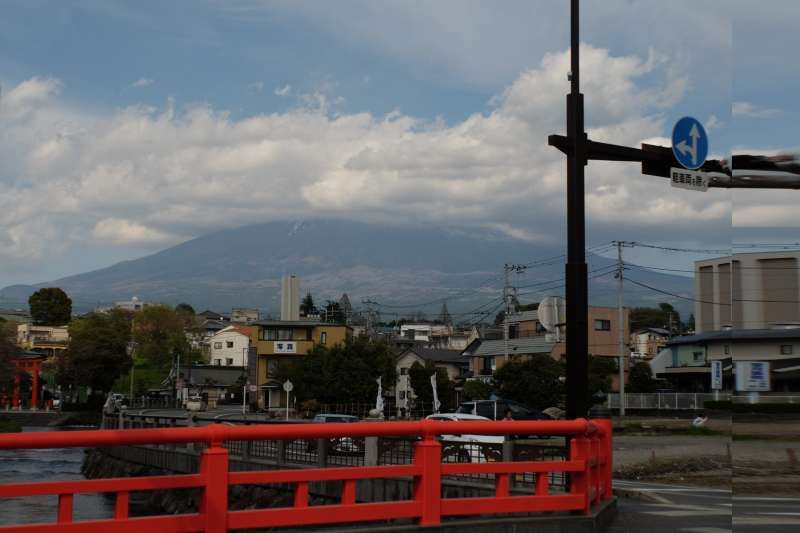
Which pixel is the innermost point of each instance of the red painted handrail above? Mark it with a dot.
(589, 465)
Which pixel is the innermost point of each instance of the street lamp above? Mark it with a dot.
(131, 349)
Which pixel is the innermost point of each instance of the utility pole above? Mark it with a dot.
(246, 381)
(620, 329)
(508, 296)
(577, 341)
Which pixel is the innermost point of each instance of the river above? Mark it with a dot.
(59, 464)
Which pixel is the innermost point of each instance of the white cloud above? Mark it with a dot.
(286, 90)
(256, 87)
(142, 82)
(750, 110)
(121, 231)
(148, 176)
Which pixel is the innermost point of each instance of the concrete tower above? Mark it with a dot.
(290, 298)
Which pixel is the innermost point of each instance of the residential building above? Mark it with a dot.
(648, 342)
(765, 288)
(212, 315)
(215, 384)
(450, 360)
(202, 331)
(229, 346)
(686, 361)
(133, 305)
(244, 316)
(486, 356)
(49, 340)
(277, 341)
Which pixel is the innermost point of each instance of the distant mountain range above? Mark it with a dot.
(404, 268)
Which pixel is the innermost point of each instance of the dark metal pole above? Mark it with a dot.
(577, 289)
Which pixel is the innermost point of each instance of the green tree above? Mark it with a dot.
(307, 305)
(640, 378)
(600, 371)
(342, 372)
(159, 334)
(8, 352)
(185, 309)
(97, 351)
(476, 390)
(419, 377)
(536, 382)
(654, 317)
(50, 307)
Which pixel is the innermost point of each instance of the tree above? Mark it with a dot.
(476, 390)
(419, 377)
(342, 372)
(159, 334)
(536, 382)
(600, 371)
(307, 305)
(640, 378)
(184, 308)
(652, 317)
(690, 323)
(97, 351)
(50, 307)
(8, 352)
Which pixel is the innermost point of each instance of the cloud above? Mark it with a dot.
(142, 82)
(121, 231)
(157, 176)
(286, 90)
(749, 110)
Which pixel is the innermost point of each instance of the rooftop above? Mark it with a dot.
(736, 334)
(526, 345)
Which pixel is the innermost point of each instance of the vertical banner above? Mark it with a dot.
(716, 375)
(436, 403)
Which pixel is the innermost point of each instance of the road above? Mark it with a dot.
(666, 508)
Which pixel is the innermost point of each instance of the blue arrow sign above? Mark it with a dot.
(690, 143)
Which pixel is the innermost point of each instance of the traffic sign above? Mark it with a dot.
(690, 143)
(287, 386)
(688, 179)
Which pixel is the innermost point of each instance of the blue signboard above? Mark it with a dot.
(690, 143)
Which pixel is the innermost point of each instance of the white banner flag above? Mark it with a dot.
(436, 403)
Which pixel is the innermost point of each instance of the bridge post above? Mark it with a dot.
(280, 452)
(214, 503)
(428, 486)
(508, 456)
(322, 452)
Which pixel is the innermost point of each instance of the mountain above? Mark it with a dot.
(405, 268)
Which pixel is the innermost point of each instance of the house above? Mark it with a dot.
(244, 316)
(48, 340)
(441, 336)
(276, 341)
(450, 360)
(686, 361)
(229, 346)
(215, 384)
(647, 342)
(486, 356)
(203, 329)
(133, 305)
(212, 315)
(769, 282)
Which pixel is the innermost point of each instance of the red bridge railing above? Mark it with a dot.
(588, 465)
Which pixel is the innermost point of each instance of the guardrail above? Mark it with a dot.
(588, 466)
(666, 400)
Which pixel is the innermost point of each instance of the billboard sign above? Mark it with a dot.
(716, 375)
(285, 347)
(752, 376)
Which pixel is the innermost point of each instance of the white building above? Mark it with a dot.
(134, 304)
(244, 316)
(765, 288)
(229, 346)
(290, 297)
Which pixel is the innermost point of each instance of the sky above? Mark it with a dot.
(128, 127)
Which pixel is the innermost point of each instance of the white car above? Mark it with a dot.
(459, 417)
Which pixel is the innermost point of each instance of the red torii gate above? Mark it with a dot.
(30, 363)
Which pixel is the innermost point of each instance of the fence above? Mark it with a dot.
(666, 400)
(588, 465)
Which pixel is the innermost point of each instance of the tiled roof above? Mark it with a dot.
(438, 355)
(525, 345)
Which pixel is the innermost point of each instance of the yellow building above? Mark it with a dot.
(279, 341)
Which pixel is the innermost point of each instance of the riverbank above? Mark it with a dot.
(9, 426)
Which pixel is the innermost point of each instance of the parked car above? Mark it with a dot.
(459, 417)
(343, 445)
(468, 448)
(496, 410)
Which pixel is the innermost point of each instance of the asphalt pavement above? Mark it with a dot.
(655, 508)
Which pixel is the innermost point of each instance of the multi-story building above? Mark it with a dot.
(229, 346)
(133, 305)
(450, 360)
(277, 341)
(765, 288)
(49, 340)
(647, 342)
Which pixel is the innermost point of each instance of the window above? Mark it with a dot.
(229, 344)
(217, 362)
(323, 337)
(272, 368)
(229, 361)
(270, 334)
(284, 335)
(786, 349)
(698, 357)
(404, 371)
(513, 331)
(402, 395)
(217, 345)
(602, 325)
(727, 349)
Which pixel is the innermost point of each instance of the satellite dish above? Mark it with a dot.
(552, 312)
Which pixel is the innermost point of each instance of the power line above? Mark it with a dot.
(672, 249)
